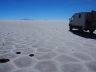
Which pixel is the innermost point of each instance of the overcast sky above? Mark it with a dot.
(43, 9)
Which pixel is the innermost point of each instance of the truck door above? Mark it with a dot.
(76, 19)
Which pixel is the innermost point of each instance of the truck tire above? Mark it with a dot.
(70, 27)
(91, 30)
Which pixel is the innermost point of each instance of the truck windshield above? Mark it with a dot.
(71, 19)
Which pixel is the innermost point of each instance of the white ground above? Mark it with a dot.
(55, 48)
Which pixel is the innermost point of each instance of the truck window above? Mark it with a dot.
(79, 15)
(74, 16)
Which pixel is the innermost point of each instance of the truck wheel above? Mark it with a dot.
(91, 31)
(70, 27)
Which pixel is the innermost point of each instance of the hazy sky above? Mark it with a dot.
(43, 9)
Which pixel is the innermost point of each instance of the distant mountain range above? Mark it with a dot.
(26, 19)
